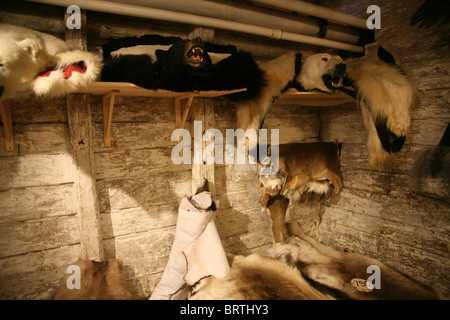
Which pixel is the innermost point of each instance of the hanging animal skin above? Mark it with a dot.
(385, 96)
(304, 169)
(180, 65)
(322, 71)
(35, 62)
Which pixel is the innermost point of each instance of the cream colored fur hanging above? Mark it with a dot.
(320, 71)
(385, 97)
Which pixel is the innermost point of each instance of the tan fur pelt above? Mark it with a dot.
(277, 75)
(303, 268)
(99, 281)
(257, 277)
(335, 269)
(310, 166)
(278, 206)
(304, 169)
(384, 92)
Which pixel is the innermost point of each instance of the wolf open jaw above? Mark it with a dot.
(322, 71)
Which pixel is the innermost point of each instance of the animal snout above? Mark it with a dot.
(197, 40)
(341, 67)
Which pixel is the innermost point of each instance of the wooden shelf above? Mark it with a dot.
(315, 98)
(129, 89)
(182, 102)
(109, 90)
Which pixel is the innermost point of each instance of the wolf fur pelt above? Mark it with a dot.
(99, 281)
(304, 169)
(303, 268)
(39, 63)
(323, 72)
(385, 97)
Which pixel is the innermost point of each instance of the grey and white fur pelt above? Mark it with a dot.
(322, 71)
(385, 96)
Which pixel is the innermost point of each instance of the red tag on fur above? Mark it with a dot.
(46, 74)
(74, 67)
(80, 67)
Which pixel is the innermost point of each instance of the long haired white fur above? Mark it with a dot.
(320, 71)
(58, 84)
(385, 97)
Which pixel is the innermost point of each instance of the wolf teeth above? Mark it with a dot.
(336, 81)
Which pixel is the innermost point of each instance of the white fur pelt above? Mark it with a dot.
(385, 97)
(281, 74)
(56, 84)
(39, 63)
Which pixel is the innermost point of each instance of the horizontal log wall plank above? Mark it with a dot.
(36, 275)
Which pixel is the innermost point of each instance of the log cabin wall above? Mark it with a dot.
(378, 214)
(139, 188)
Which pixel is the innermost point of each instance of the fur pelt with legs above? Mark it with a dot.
(304, 169)
(321, 71)
(156, 62)
(385, 97)
(39, 63)
(303, 268)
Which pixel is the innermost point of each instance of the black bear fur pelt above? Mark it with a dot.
(171, 72)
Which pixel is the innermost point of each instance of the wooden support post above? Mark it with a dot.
(177, 104)
(5, 111)
(108, 106)
(187, 107)
(204, 112)
(80, 130)
(180, 114)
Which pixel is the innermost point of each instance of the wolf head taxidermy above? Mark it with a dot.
(35, 62)
(385, 97)
(323, 72)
